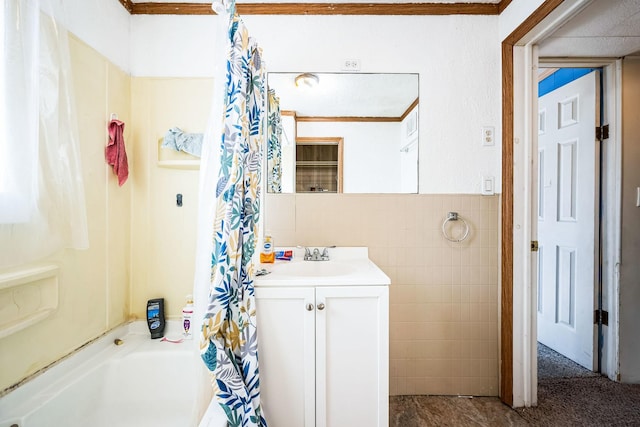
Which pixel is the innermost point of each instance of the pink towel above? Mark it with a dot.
(115, 151)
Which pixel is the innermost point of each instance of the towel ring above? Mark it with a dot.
(453, 216)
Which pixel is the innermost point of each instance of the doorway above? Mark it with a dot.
(568, 220)
(568, 208)
(518, 314)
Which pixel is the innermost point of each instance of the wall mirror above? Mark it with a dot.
(342, 132)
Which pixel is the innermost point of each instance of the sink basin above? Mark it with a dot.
(314, 268)
(347, 266)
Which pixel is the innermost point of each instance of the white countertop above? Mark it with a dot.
(347, 266)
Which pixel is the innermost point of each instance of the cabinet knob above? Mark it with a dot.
(321, 306)
(309, 307)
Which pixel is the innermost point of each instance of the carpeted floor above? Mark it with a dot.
(568, 395)
(584, 401)
(552, 365)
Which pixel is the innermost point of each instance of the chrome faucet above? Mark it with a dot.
(315, 255)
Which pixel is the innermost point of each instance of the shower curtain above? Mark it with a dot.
(42, 194)
(228, 343)
(274, 144)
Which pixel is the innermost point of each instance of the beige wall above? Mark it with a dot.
(93, 284)
(163, 234)
(630, 234)
(443, 296)
(142, 245)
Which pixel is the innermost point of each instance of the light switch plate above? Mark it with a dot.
(488, 185)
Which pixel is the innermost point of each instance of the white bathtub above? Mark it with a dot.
(140, 383)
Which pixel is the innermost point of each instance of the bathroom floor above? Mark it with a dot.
(568, 395)
(423, 411)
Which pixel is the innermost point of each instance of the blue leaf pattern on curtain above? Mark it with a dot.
(274, 143)
(228, 344)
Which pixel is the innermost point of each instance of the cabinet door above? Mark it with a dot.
(352, 356)
(286, 351)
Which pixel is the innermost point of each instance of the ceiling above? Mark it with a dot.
(605, 28)
(347, 95)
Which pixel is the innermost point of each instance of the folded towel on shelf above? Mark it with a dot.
(178, 140)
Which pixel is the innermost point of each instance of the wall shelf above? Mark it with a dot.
(168, 158)
(179, 164)
(27, 295)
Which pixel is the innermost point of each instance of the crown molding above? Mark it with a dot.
(321, 8)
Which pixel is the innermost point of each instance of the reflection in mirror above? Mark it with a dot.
(351, 133)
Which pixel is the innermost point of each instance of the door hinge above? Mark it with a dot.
(600, 316)
(534, 246)
(602, 132)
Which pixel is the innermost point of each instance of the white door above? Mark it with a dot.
(286, 351)
(352, 364)
(568, 218)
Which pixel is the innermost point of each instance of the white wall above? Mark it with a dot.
(409, 154)
(102, 24)
(371, 156)
(630, 269)
(515, 14)
(457, 57)
(172, 45)
(288, 154)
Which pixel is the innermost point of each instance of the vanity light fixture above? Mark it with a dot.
(307, 80)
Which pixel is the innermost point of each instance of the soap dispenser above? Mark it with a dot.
(187, 315)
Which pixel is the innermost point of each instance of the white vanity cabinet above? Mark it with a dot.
(324, 355)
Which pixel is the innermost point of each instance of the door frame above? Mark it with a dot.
(518, 344)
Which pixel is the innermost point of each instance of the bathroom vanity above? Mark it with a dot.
(323, 330)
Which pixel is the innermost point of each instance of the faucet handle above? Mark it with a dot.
(325, 254)
(307, 254)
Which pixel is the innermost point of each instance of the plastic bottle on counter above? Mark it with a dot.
(267, 255)
(187, 315)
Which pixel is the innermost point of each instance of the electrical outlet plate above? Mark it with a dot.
(351, 65)
(488, 136)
